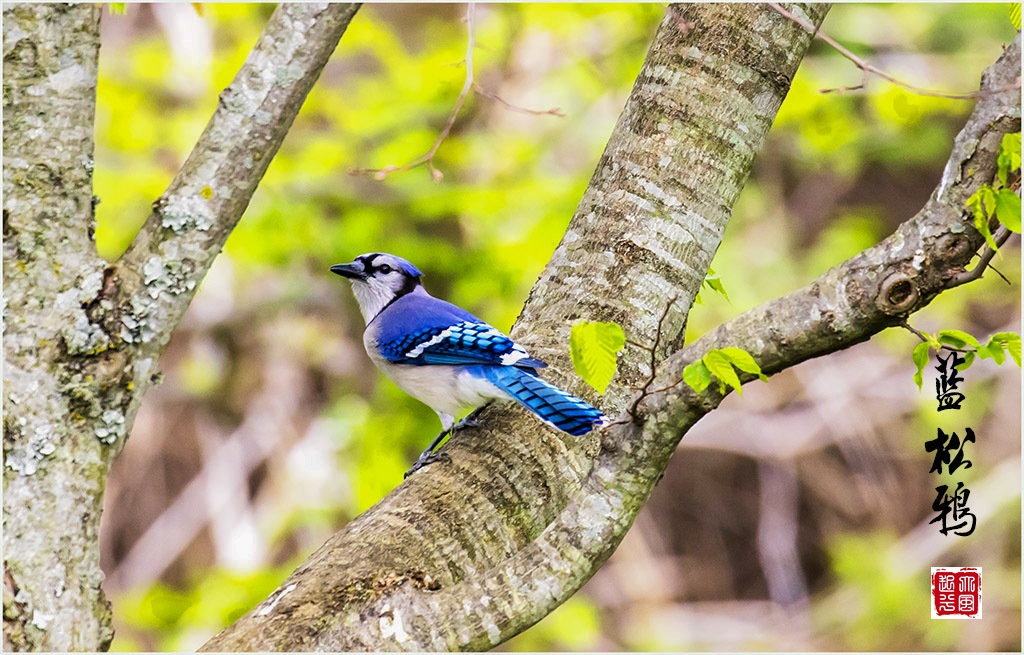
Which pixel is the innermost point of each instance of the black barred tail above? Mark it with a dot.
(562, 410)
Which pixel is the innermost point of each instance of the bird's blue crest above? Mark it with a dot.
(406, 265)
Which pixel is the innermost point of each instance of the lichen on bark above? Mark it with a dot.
(82, 336)
(54, 471)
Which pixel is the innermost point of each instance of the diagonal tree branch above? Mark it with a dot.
(520, 521)
(467, 555)
(158, 274)
(881, 286)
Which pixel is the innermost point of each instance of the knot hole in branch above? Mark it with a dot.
(897, 294)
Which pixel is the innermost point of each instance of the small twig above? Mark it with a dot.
(554, 111)
(868, 69)
(920, 335)
(1000, 237)
(907, 326)
(997, 272)
(638, 345)
(428, 157)
(666, 387)
(654, 353)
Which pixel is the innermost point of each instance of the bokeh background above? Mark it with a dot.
(794, 517)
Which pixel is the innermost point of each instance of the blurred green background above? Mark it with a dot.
(791, 518)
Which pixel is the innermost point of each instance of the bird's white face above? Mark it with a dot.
(378, 279)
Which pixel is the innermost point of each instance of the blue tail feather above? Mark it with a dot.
(559, 408)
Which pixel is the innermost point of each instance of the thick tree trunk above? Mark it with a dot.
(464, 556)
(81, 336)
(54, 470)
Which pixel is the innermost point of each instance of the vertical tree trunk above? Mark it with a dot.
(54, 473)
(658, 203)
(82, 337)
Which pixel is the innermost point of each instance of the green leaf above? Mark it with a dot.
(993, 351)
(594, 347)
(983, 205)
(1009, 156)
(920, 357)
(714, 282)
(722, 369)
(1008, 341)
(117, 7)
(1015, 15)
(968, 360)
(697, 376)
(957, 339)
(1014, 350)
(742, 360)
(1008, 209)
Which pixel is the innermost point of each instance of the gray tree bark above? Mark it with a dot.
(460, 556)
(82, 336)
(466, 555)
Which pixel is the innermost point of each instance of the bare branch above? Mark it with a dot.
(427, 158)
(554, 111)
(1000, 237)
(917, 333)
(869, 70)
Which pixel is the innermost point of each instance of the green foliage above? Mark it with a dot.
(1014, 10)
(996, 349)
(218, 599)
(999, 202)
(574, 626)
(957, 339)
(712, 281)
(1008, 209)
(983, 205)
(594, 348)
(697, 375)
(920, 357)
(1009, 156)
(116, 7)
(721, 364)
(1007, 341)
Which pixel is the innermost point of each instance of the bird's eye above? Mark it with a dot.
(384, 268)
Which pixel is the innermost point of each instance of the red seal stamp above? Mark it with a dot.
(956, 592)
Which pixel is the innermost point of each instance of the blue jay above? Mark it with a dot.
(447, 358)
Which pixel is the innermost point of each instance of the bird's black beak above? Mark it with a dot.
(348, 270)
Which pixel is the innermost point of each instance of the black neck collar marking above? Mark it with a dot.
(408, 286)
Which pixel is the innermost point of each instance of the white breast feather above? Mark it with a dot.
(445, 389)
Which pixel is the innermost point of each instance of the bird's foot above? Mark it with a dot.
(468, 422)
(471, 420)
(428, 457)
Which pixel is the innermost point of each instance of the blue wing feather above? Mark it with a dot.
(422, 330)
